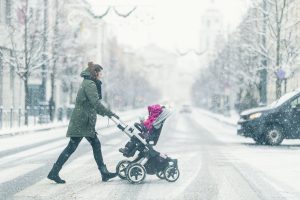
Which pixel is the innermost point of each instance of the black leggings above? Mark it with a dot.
(73, 144)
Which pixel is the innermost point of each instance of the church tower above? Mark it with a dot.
(211, 29)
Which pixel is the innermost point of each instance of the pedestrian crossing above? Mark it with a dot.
(37, 161)
(32, 153)
(8, 174)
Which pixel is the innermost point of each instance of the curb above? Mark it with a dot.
(22, 132)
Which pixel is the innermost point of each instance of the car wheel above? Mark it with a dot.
(274, 136)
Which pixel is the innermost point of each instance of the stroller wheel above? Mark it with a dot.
(121, 168)
(135, 173)
(160, 174)
(171, 173)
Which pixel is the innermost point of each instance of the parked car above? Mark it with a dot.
(273, 123)
(186, 109)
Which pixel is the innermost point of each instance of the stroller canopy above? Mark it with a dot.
(161, 118)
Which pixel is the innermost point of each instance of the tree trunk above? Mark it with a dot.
(279, 17)
(51, 109)
(263, 72)
(278, 80)
(26, 76)
(52, 104)
(26, 100)
(45, 37)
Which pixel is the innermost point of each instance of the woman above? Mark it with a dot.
(83, 122)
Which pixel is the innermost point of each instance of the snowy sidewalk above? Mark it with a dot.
(230, 120)
(28, 129)
(102, 122)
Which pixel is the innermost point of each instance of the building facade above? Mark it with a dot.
(72, 42)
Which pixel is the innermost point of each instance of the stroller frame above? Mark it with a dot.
(135, 171)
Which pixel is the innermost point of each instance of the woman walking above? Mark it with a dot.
(83, 122)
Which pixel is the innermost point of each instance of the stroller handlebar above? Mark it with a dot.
(116, 119)
(115, 116)
(125, 128)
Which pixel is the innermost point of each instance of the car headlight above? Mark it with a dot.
(255, 115)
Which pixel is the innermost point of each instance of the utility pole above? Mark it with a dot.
(263, 72)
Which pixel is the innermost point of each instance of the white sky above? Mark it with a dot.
(167, 23)
(173, 25)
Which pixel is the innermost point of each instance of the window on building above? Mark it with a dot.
(34, 94)
(8, 11)
(2, 11)
(5, 11)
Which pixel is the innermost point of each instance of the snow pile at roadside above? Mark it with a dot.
(232, 119)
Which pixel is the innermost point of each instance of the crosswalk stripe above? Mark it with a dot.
(14, 172)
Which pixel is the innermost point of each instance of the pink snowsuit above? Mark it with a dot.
(154, 112)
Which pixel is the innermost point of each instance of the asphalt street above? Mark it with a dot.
(211, 167)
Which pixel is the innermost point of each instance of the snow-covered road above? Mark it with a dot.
(214, 163)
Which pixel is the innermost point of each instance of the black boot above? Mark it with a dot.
(106, 175)
(53, 175)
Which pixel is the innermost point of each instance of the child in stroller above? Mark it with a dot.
(147, 131)
(148, 160)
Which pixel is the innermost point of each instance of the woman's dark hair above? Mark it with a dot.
(94, 69)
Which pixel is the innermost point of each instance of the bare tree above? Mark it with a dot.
(26, 41)
(283, 49)
(265, 41)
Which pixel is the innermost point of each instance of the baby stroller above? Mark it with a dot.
(148, 160)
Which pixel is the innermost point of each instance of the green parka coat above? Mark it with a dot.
(87, 106)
